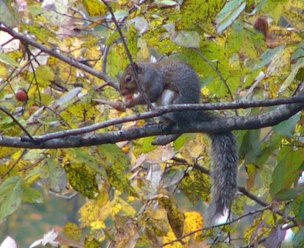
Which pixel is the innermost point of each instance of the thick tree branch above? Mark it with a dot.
(55, 53)
(218, 125)
(163, 110)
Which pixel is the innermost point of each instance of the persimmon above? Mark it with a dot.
(21, 95)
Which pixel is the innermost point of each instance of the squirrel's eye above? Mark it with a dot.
(128, 78)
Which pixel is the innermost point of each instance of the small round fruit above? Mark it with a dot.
(21, 95)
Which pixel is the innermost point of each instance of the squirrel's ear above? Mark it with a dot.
(137, 68)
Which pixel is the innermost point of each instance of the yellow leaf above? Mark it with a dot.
(205, 91)
(170, 237)
(193, 222)
(144, 51)
(72, 231)
(98, 224)
(251, 172)
(195, 147)
(123, 2)
(160, 154)
(44, 75)
(175, 216)
(95, 7)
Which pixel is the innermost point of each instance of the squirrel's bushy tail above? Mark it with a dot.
(223, 172)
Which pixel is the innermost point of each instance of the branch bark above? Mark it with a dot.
(166, 109)
(218, 125)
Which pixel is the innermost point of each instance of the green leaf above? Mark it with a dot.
(267, 57)
(250, 145)
(117, 59)
(115, 165)
(31, 195)
(67, 98)
(7, 186)
(289, 194)
(8, 60)
(291, 76)
(44, 75)
(287, 171)
(268, 148)
(145, 144)
(186, 38)
(53, 174)
(287, 127)
(298, 240)
(7, 15)
(114, 36)
(299, 52)
(228, 14)
(175, 216)
(83, 179)
(91, 242)
(42, 33)
(180, 141)
(195, 186)
(10, 196)
(301, 211)
(113, 154)
(166, 3)
(83, 156)
(119, 15)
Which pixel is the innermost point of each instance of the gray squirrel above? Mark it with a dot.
(174, 82)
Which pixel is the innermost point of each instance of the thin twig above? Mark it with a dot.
(262, 203)
(104, 59)
(245, 192)
(18, 123)
(7, 42)
(140, 87)
(55, 53)
(14, 164)
(134, 8)
(217, 226)
(34, 71)
(54, 112)
(252, 196)
(218, 73)
(15, 73)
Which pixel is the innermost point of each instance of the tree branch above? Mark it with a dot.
(218, 125)
(55, 53)
(163, 110)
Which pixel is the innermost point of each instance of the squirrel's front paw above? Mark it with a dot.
(120, 106)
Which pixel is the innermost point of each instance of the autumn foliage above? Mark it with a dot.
(60, 136)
